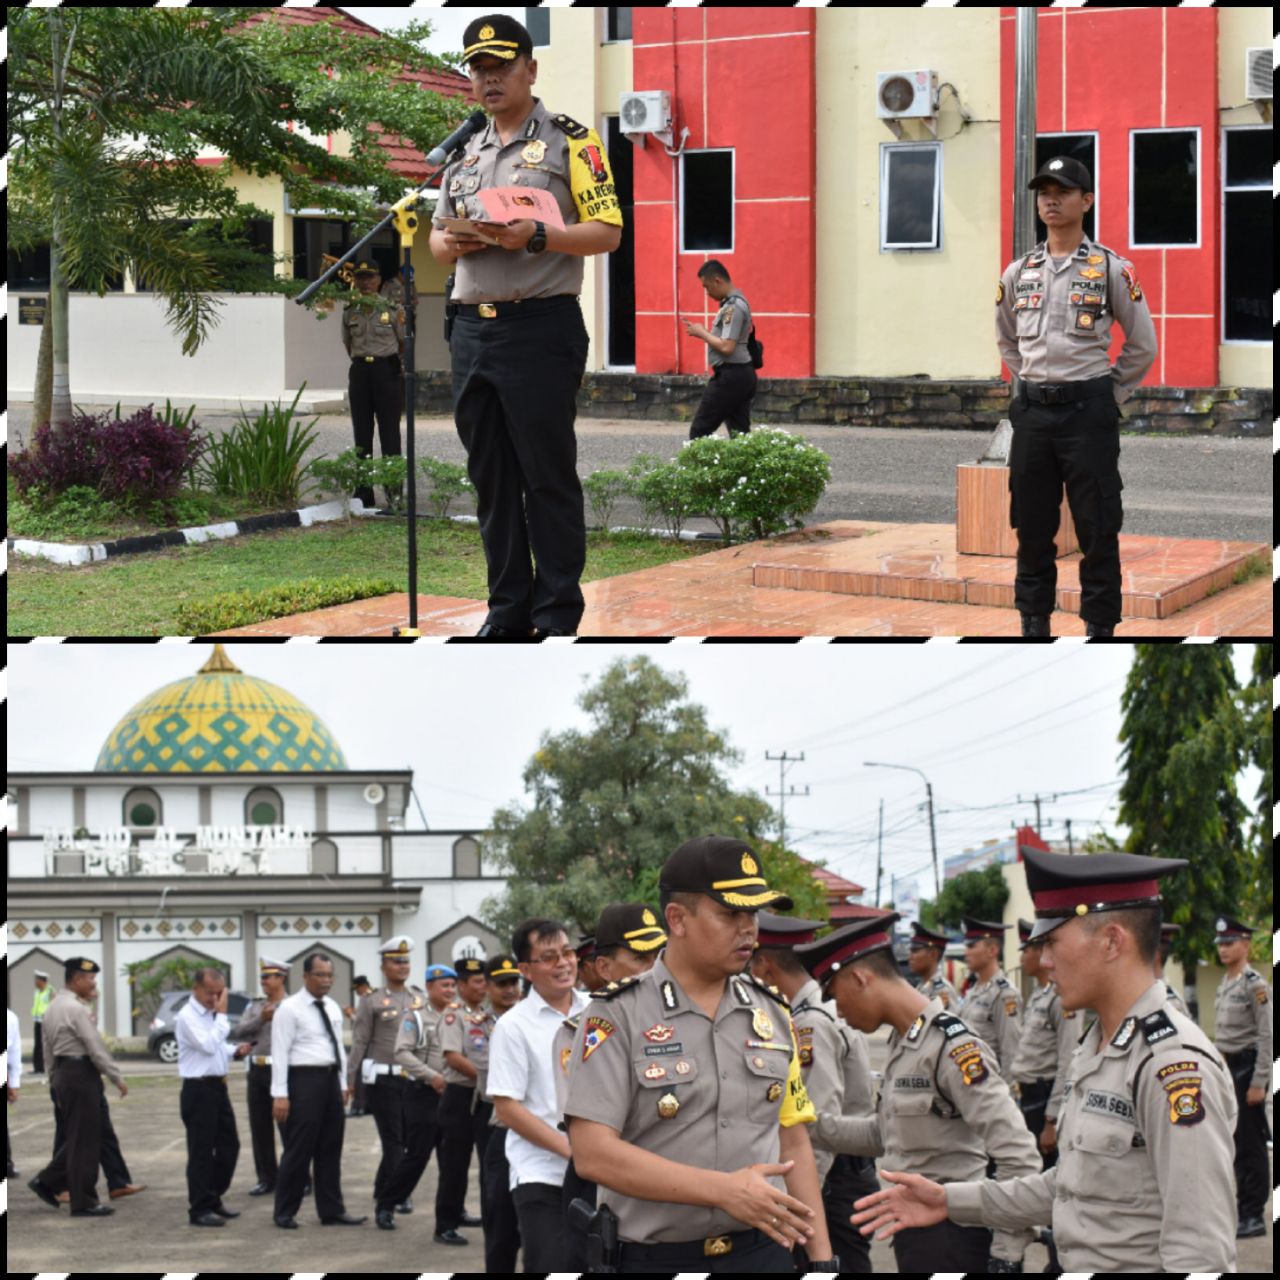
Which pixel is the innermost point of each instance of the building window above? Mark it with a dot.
(706, 202)
(466, 859)
(1164, 168)
(243, 260)
(142, 809)
(324, 858)
(538, 24)
(617, 24)
(1246, 235)
(1078, 146)
(910, 195)
(263, 808)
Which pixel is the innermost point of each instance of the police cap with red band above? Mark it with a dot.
(1228, 930)
(922, 937)
(975, 930)
(1063, 887)
(785, 931)
(826, 957)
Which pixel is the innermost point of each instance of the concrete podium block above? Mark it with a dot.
(982, 514)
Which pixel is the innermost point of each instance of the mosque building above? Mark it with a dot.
(221, 820)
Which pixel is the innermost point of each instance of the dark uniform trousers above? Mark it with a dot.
(750, 1251)
(946, 1246)
(726, 398)
(74, 1166)
(312, 1132)
(385, 1103)
(37, 1053)
(375, 390)
(849, 1179)
(497, 1209)
(461, 1129)
(542, 1234)
(114, 1168)
(258, 1094)
(213, 1146)
(576, 1188)
(1251, 1138)
(1033, 1101)
(1076, 443)
(515, 383)
(421, 1137)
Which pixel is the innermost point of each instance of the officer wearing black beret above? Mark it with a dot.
(518, 344)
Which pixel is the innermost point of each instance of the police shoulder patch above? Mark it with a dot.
(951, 1026)
(1156, 1027)
(615, 989)
(1001, 980)
(570, 126)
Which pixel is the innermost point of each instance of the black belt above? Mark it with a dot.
(71, 1057)
(333, 1066)
(1066, 392)
(222, 1080)
(371, 359)
(710, 1247)
(523, 307)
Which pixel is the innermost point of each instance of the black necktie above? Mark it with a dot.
(328, 1026)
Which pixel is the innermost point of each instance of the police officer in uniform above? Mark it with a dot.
(373, 334)
(942, 1109)
(40, 1002)
(518, 345)
(924, 959)
(836, 1068)
(732, 387)
(992, 1006)
(1143, 1180)
(497, 1208)
(373, 1054)
(1054, 310)
(588, 979)
(1242, 1009)
(686, 1100)
(1167, 934)
(253, 1032)
(80, 1060)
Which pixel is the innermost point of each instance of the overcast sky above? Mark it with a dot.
(985, 723)
(447, 24)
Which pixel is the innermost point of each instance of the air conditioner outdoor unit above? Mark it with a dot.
(648, 111)
(1257, 73)
(907, 95)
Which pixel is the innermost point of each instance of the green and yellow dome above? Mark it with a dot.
(220, 721)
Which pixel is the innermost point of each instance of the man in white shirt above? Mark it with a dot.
(212, 1142)
(308, 1071)
(15, 1078)
(522, 1085)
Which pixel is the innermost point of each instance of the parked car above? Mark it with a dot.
(161, 1039)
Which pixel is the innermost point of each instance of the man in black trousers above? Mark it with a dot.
(254, 1032)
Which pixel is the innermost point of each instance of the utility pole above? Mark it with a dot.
(783, 792)
(1036, 800)
(879, 852)
(933, 835)
(1070, 847)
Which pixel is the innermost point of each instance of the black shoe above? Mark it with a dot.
(1250, 1227)
(405, 1206)
(210, 1219)
(491, 632)
(1098, 629)
(552, 631)
(355, 1113)
(262, 1189)
(449, 1237)
(94, 1211)
(343, 1220)
(386, 1219)
(13, 1173)
(470, 1220)
(1035, 626)
(43, 1192)
(288, 1223)
(223, 1212)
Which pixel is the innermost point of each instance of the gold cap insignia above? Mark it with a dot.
(648, 917)
(486, 32)
(749, 866)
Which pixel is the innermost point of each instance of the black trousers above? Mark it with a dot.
(576, 1188)
(37, 1053)
(515, 383)
(384, 1101)
(459, 1133)
(74, 1166)
(375, 390)
(421, 1137)
(213, 1146)
(261, 1126)
(946, 1246)
(726, 398)
(1033, 1101)
(752, 1251)
(114, 1168)
(1251, 1138)
(848, 1179)
(313, 1132)
(1076, 444)
(497, 1208)
(542, 1234)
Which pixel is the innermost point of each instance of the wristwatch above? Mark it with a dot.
(538, 241)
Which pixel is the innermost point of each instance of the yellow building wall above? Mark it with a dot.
(892, 314)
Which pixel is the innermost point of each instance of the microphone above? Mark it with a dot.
(471, 125)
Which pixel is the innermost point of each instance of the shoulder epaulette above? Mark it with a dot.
(570, 126)
(1156, 1027)
(951, 1026)
(765, 987)
(572, 1021)
(615, 989)
(1252, 975)
(1001, 980)
(812, 1008)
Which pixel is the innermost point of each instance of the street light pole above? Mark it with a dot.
(933, 834)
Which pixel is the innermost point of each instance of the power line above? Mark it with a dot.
(782, 793)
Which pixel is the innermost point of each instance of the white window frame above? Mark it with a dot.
(887, 149)
(1185, 128)
(733, 198)
(1222, 223)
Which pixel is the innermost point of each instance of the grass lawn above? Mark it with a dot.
(138, 595)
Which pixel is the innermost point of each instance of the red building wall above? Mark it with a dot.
(1107, 71)
(740, 78)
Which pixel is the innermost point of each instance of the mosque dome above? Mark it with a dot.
(220, 721)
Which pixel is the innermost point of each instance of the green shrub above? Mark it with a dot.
(448, 481)
(242, 608)
(603, 489)
(348, 472)
(663, 496)
(75, 513)
(261, 457)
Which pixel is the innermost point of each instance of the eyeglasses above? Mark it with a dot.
(554, 957)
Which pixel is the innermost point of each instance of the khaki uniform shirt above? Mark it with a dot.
(254, 1029)
(834, 1064)
(1243, 1012)
(939, 986)
(374, 326)
(1047, 1042)
(378, 1018)
(71, 1030)
(417, 1047)
(942, 1111)
(1176, 1000)
(1053, 323)
(733, 320)
(1144, 1177)
(994, 1010)
(711, 1093)
(568, 162)
(393, 291)
(561, 1052)
(467, 1033)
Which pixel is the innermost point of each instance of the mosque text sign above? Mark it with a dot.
(213, 850)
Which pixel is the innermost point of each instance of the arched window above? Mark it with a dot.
(142, 809)
(263, 808)
(324, 858)
(466, 859)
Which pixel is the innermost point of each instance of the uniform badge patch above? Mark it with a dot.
(913, 1032)
(1084, 320)
(594, 160)
(1135, 292)
(659, 1033)
(1125, 1033)
(565, 1055)
(1010, 1008)
(774, 1092)
(408, 1025)
(1095, 258)
(968, 1057)
(669, 1000)
(534, 151)
(1091, 273)
(1185, 1106)
(682, 1068)
(762, 1024)
(668, 1105)
(598, 1031)
(1260, 996)
(449, 1019)
(655, 1071)
(470, 162)
(999, 292)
